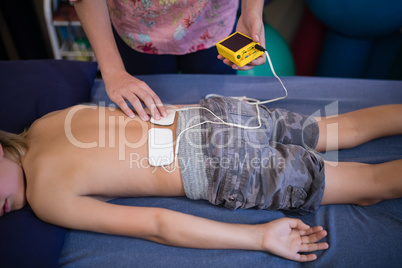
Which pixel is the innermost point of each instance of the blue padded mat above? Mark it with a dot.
(358, 236)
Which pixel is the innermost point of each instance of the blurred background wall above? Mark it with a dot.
(336, 38)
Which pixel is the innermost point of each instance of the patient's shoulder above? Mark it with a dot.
(64, 111)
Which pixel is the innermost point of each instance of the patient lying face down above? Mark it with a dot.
(70, 161)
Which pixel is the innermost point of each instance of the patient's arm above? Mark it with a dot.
(284, 237)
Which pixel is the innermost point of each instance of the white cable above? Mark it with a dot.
(221, 122)
(277, 77)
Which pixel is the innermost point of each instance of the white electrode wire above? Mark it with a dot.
(221, 122)
(176, 151)
(277, 77)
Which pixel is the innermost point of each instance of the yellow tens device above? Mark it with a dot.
(239, 49)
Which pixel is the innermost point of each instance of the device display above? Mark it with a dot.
(239, 49)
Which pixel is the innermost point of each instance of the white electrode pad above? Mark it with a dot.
(160, 147)
(165, 121)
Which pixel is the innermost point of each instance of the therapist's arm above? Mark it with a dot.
(120, 85)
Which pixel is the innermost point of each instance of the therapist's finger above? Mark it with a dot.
(151, 101)
(258, 61)
(156, 103)
(226, 61)
(121, 102)
(136, 103)
(246, 67)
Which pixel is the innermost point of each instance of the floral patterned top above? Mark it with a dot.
(172, 26)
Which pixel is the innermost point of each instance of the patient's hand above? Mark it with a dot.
(288, 237)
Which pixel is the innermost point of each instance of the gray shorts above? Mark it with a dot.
(272, 167)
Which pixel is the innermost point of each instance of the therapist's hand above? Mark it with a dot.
(251, 24)
(121, 86)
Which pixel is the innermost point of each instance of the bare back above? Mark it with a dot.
(94, 151)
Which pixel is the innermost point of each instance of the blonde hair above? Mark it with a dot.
(14, 145)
